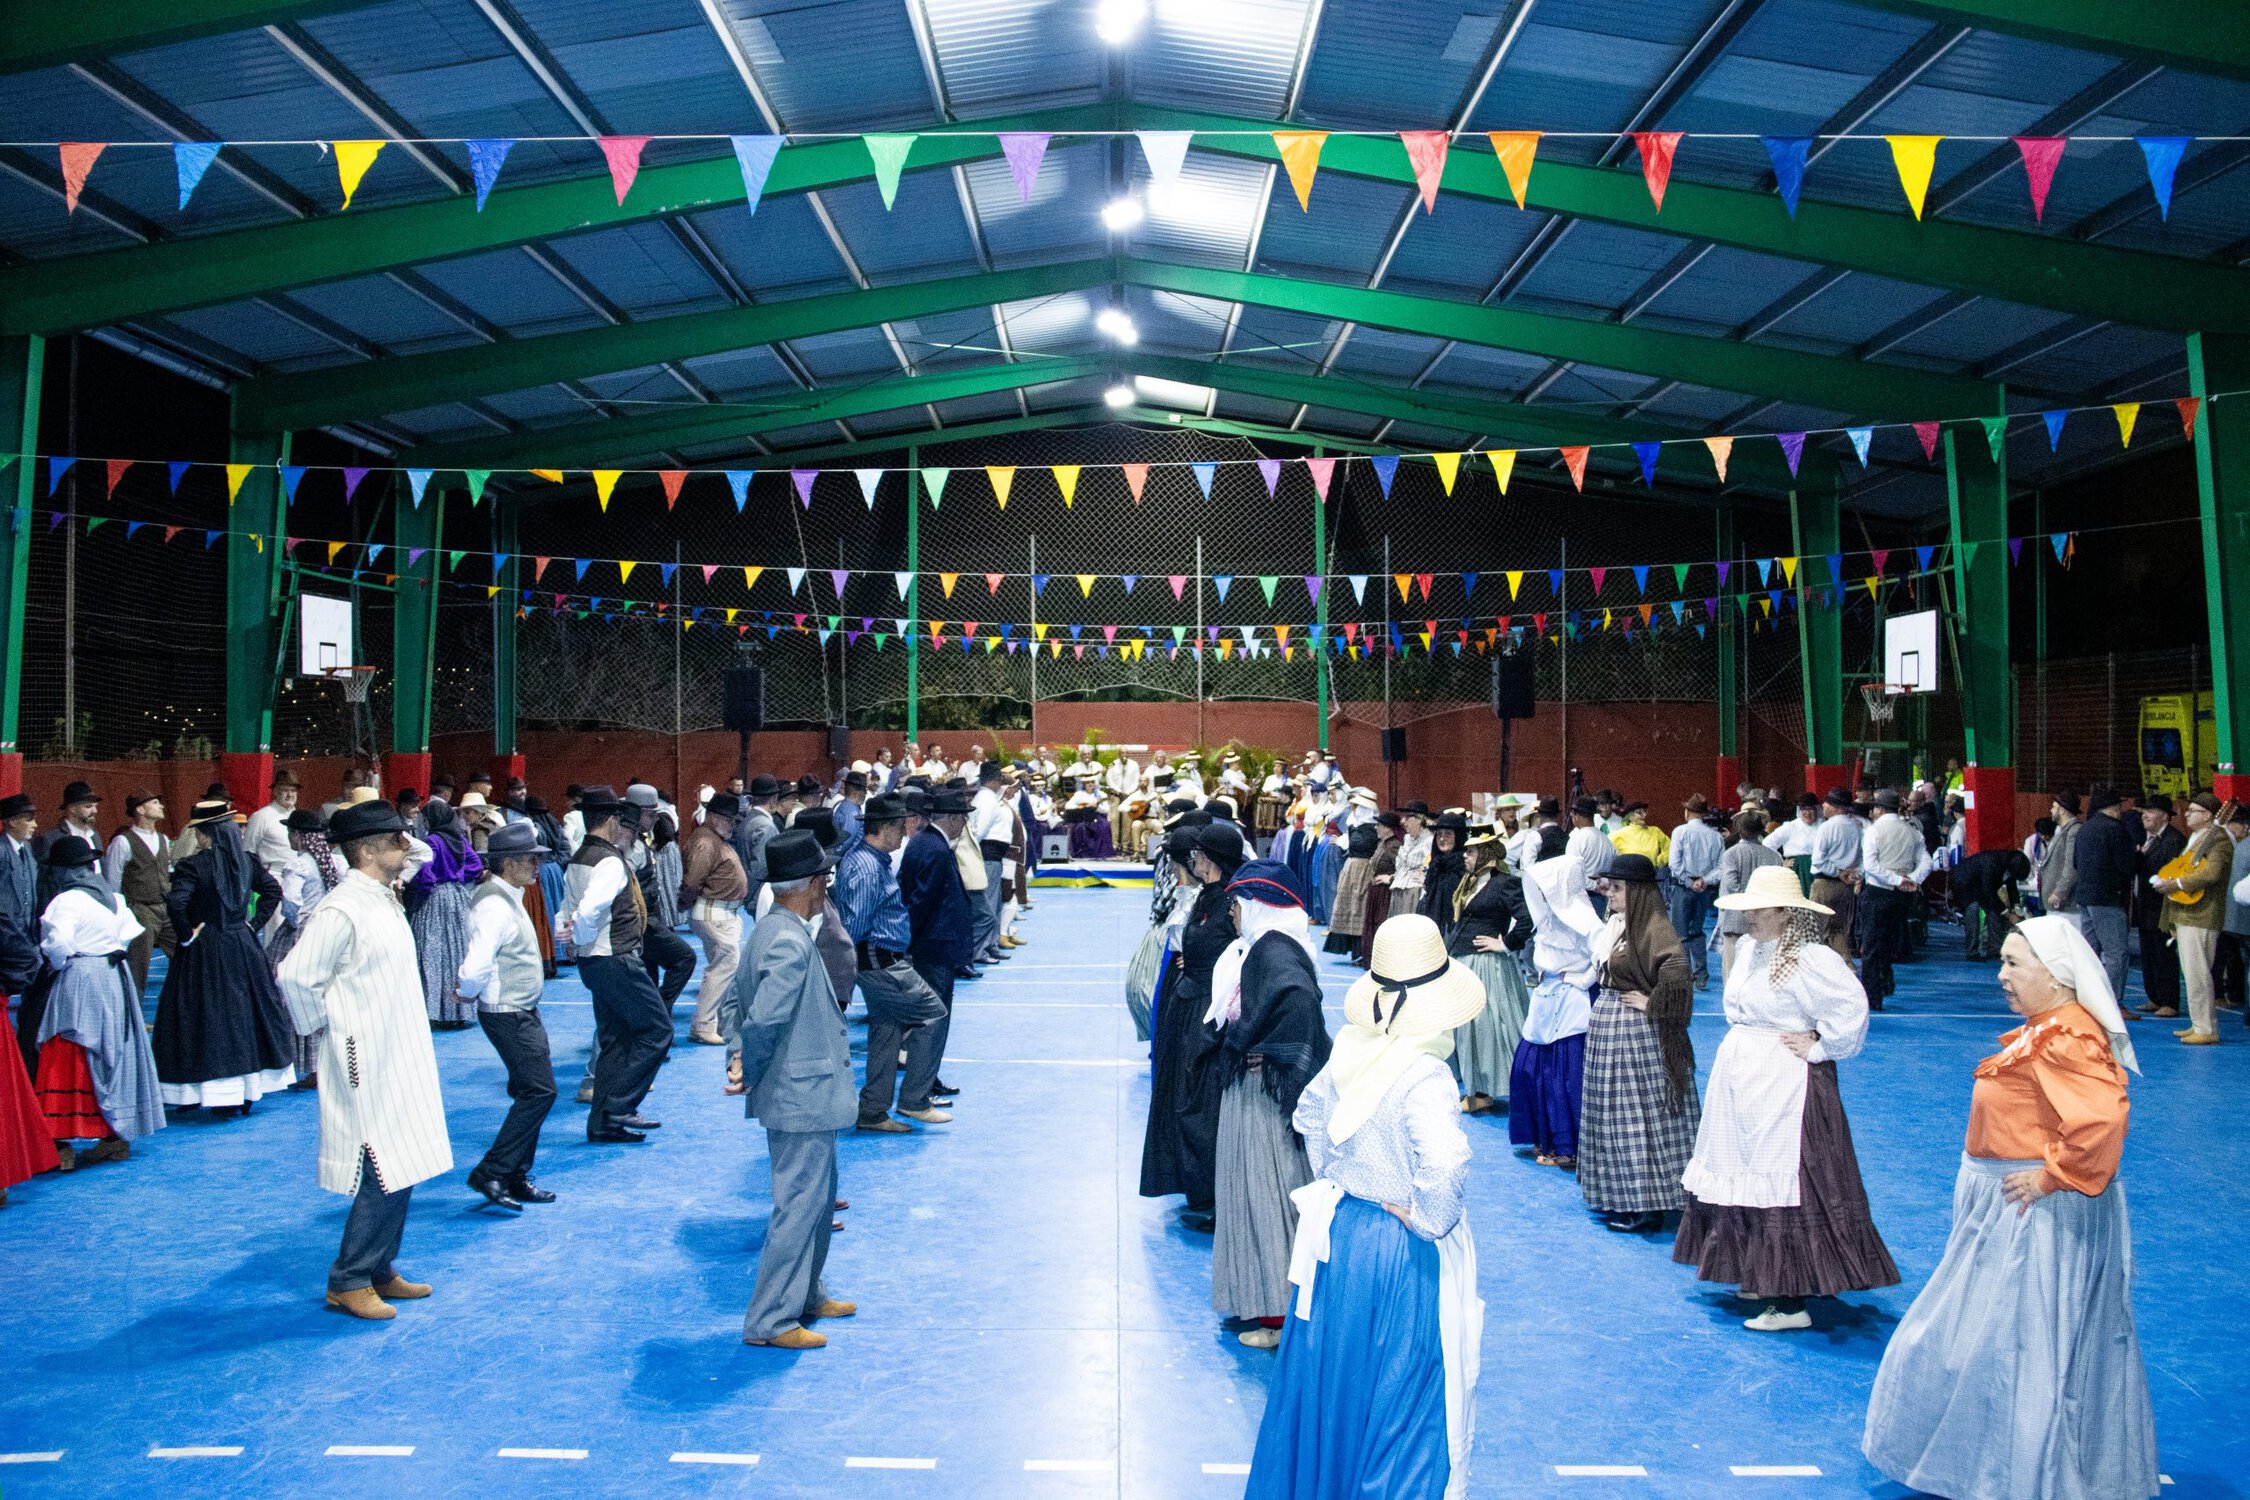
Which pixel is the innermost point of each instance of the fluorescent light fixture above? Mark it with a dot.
(1122, 213)
(1118, 396)
(1119, 21)
(1171, 393)
(1114, 322)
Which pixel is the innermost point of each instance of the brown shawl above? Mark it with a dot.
(1651, 961)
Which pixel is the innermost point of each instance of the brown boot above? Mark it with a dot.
(111, 1148)
(794, 1338)
(362, 1302)
(399, 1289)
(832, 1309)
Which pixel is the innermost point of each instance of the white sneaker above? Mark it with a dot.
(928, 1116)
(1261, 1338)
(1774, 1320)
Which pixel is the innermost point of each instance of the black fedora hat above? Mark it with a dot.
(18, 805)
(947, 802)
(599, 802)
(796, 854)
(364, 820)
(69, 852)
(306, 820)
(79, 791)
(1633, 869)
(883, 808)
(820, 822)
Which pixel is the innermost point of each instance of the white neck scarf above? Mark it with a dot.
(1253, 919)
(2072, 960)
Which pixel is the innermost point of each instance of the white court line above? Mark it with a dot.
(360, 1450)
(235, 1452)
(566, 1453)
(1069, 1465)
(1601, 1471)
(1062, 1062)
(1775, 1471)
(740, 1460)
(890, 1463)
(32, 1458)
(1226, 1468)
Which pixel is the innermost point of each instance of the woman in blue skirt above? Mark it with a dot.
(1547, 1080)
(1374, 1393)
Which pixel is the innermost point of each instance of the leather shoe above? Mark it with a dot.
(523, 1189)
(886, 1126)
(832, 1309)
(942, 1087)
(792, 1338)
(495, 1192)
(361, 1302)
(706, 1039)
(638, 1122)
(614, 1137)
(399, 1289)
(928, 1116)
(968, 972)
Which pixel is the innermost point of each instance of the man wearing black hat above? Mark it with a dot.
(139, 866)
(713, 886)
(851, 798)
(605, 918)
(354, 975)
(81, 805)
(901, 1006)
(793, 1057)
(1836, 854)
(807, 792)
(757, 824)
(2108, 859)
(2161, 843)
(19, 908)
(939, 919)
(669, 958)
(504, 974)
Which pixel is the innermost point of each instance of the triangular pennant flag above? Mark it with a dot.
(2187, 406)
(1722, 568)
(671, 479)
(2040, 154)
(1995, 436)
(1425, 152)
(754, 154)
(1861, 437)
(1515, 583)
(236, 473)
(935, 479)
(1136, 477)
(1204, 474)
(1267, 583)
(1879, 557)
(1595, 576)
(1574, 459)
(889, 155)
(1555, 582)
(802, 479)
(946, 581)
(796, 579)
(2060, 541)
(190, 160)
(1085, 585)
(353, 158)
(1024, 150)
(1969, 553)
(1765, 570)
(1792, 449)
(552, 476)
(352, 479)
(1915, 156)
(211, 537)
(1448, 468)
(115, 470)
(2054, 421)
(476, 479)
(1787, 153)
(1002, 480)
(453, 561)
(539, 566)
(292, 475)
(1405, 582)
(1358, 582)
(904, 581)
(1515, 148)
(1323, 470)
(1066, 480)
(1128, 579)
(485, 157)
(418, 480)
(738, 480)
(77, 160)
(1640, 578)
(1165, 150)
(623, 153)
(1300, 156)
(1469, 584)
(868, 480)
(1679, 576)
(992, 582)
(1656, 148)
(2162, 153)
(1503, 466)
(1312, 587)
(1386, 470)
(625, 570)
(2128, 413)
(605, 484)
(1721, 449)
(2015, 550)
(1179, 584)
(750, 578)
(1039, 584)
(579, 565)
(837, 578)
(1648, 453)
(1922, 556)
(1269, 469)
(1928, 433)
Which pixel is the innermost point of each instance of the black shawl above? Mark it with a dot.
(1281, 1024)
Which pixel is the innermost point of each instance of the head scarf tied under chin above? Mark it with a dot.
(2075, 965)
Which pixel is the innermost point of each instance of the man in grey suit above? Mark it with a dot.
(791, 1054)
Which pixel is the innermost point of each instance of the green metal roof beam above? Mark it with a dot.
(2198, 36)
(48, 36)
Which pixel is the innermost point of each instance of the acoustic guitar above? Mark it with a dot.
(2185, 861)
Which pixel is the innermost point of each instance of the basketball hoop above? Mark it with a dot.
(1881, 700)
(356, 681)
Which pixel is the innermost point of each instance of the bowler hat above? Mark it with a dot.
(17, 806)
(2100, 796)
(796, 854)
(306, 820)
(882, 808)
(762, 785)
(947, 802)
(79, 791)
(1887, 799)
(599, 802)
(361, 820)
(724, 805)
(856, 780)
(1838, 797)
(807, 783)
(820, 823)
(513, 841)
(1634, 869)
(2067, 801)
(1452, 818)
(68, 853)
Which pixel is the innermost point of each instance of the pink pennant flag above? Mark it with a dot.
(992, 582)
(1109, 634)
(1323, 470)
(1656, 147)
(708, 570)
(2040, 154)
(1928, 433)
(624, 153)
(1879, 557)
(77, 160)
(1024, 150)
(1425, 151)
(1136, 475)
(1574, 459)
(1179, 583)
(1596, 575)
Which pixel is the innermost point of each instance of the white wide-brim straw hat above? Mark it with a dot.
(1772, 885)
(1411, 981)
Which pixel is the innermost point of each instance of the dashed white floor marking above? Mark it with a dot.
(890, 1463)
(739, 1460)
(56, 1457)
(1226, 1468)
(1601, 1471)
(1069, 1465)
(1776, 1471)
(235, 1452)
(566, 1453)
(365, 1450)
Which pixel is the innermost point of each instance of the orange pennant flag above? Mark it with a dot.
(1300, 153)
(1404, 581)
(116, 468)
(2188, 406)
(1720, 448)
(1136, 475)
(552, 476)
(1574, 459)
(77, 161)
(1515, 148)
(671, 479)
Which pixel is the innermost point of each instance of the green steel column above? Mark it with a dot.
(1815, 528)
(414, 624)
(2222, 478)
(1320, 606)
(507, 576)
(256, 525)
(1976, 485)
(914, 594)
(23, 363)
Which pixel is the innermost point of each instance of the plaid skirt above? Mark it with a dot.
(1632, 1145)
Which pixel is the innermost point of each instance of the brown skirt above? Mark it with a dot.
(1826, 1245)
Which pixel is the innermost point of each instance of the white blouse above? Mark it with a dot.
(80, 924)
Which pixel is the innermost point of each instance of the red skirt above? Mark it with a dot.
(26, 1149)
(66, 1093)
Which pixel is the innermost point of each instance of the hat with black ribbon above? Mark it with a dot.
(1412, 987)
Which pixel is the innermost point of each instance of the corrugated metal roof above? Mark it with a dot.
(1014, 54)
(1236, 55)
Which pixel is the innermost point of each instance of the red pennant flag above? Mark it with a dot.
(1350, 632)
(1596, 575)
(1928, 433)
(1656, 147)
(1425, 152)
(1574, 459)
(1539, 623)
(539, 566)
(1136, 475)
(1423, 581)
(1880, 555)
(2040, 154)
(117, 468)
(77, 161)
(671, 479)
(171, 532)
(2189, 406)
(624, 154)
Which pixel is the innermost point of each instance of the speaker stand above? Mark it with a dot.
(742, 756)
(1507, 751)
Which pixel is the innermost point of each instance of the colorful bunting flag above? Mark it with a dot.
(77, 160)
(889, 155)
(623, 153)
(754, 154)
(1003, 479)
(2162, 154)
(1792, 449)
(1269, 469)
(190, 160)
(1300, 155)
(1915, 156)
(178, 468)
(353, 158)
(802, 481)
(1222, 582)
(1165, 150)
(485, 158)
(1656, 148)
(1995, 436)
(1323, 471)
(1024, 151)
(1448, 468)
(1503, 466)
(935, 479)
(605, 484)
(2187, 406)
(1136, 478)
(1721, 448)
(1861, 437)
(2127, 413)
(2040, 155)
(236, 473)
(1425, 153)
(1647, 453)
(1928, 433)
(1204, 474)
(1787, 153)
(1574, 459)
(1515, 149)
(869, 479)
(1386, 470)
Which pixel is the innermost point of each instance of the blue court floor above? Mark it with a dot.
(1029, 1326)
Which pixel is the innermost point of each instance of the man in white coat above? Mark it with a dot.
(382, 1124)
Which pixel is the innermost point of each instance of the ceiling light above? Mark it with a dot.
(1122, 213)
(1117, 325)
(1118, 396)
(1119, 21)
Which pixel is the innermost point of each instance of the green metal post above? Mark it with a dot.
(414, 638)
(1976, 485)
(1320, 606)
(1724, 631)
(914, 594)
(507, 576)
(23, 363)
(1815, 527)
(2222, 481)
(256, 526)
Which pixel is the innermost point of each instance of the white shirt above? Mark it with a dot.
(1593, 849)
(301, 885)
(586, 925)
(989, 818)
(1793, 838)
(1123, 775)
(574, 829)
(120, 853)
(266, 837)
(490, 925)
(79, 923)
(1523, 849)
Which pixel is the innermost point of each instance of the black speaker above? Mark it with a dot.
(1394, 746)
(1512, 686)
(839, 743)
(746, 699)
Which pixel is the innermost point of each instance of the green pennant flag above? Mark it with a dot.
(476, 478)
(834, 621)
(1267, 582)
(1969, 554)
(935, 479)
(880, 637)
(453, 560)
(889, 154)
(1995, 436)
(92, 522)
(1679, 576)
(1178, 631)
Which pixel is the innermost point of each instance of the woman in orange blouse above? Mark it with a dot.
(2017, 1374)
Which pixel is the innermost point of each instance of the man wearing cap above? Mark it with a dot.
(1697, 849)
(503, 973)
(81, 805)
(2108, 858)
(382, 1123)
(901, 1006)
(939, 919)
(992, 829)
(713, 886)
(792, 1056)
(138, 866)
(1836, 854)
(1894, 863)
(605, 918)
(2058, 873)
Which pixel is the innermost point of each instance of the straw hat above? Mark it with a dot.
(1481, 833)
(1771, 885)
(1409, 976)
(359, 794)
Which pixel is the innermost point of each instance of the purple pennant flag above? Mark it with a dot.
(2015, 549)
(738, 480)
(1024, 150)
(1792, 449)
(1129, 580)
(414, 555)
(178, 470)
(55, 519)
(1222, 582)
(2163, 153)
(836, 577)
(802, 479)
(2054, 421)
(1312, 587)
(1213, 632)
(1269, 469)
(1386, 468)
(190, 160)
(754, 154)
(1787, 153)
(1722, 568)
(1711, 607)
(352, 477)
(1647, 453)
(485, 157)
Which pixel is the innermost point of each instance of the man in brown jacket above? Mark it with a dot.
(2195, 925)
(713, 887)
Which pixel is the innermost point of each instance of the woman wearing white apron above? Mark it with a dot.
(1548, 1080)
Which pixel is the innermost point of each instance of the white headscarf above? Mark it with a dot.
(1253, 920)
(2072, 960)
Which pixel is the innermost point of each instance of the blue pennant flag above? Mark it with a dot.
(583, 564)
(190, 160)
(1861, 437)
(2060, 540)
(292, 475)
(133, 526)
(2163, 153)
(1039, 582)
(1640, 578)
(178, 469)
(485, 157)
(1647, 453)
(1204, 474)
(755, 154)
(1386, 468)
(1554, 582)
(418, 480)
(1129, 580)
(1787, 153)
(1922, 556)
(1222, 582)
(2054, 421)
(738, 480)
(210, 539)
(1469, 584)
(56, 468)
(668, 569)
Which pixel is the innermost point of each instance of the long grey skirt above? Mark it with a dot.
(1141, 976)
(1260, 1163)
(94, 1003)
(441, 941)
(2017, 1373)
(1633, 1145)
(1484, 1050)
(278, 947)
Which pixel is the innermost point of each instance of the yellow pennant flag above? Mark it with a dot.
(625, 571)
(1001, 479)
(1515, 148)
(1914, 156)
(1039, 632)
(353, 158)
(1503, 466)
(1066, 480)
(1085, 585)
(2127, 413)
(492, 591)
(1789, 570)
(1300, 153)
(1515, 583)
(1721, 448)
(333, 549)
(1448, 468)
(946, 582)
(552, 476)
(236, 473)
(605, 480)
(750, 578)
(1874, 585)
(731, 614)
